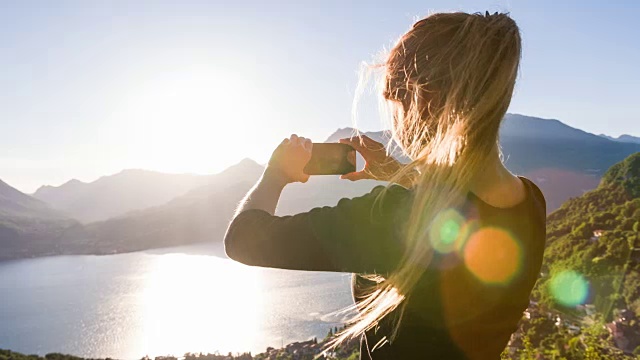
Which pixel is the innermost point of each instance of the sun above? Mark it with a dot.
(189, 119)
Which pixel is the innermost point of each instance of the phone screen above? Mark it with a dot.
(331, 159)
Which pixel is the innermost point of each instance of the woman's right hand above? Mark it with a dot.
(289, 159)
(378, 165)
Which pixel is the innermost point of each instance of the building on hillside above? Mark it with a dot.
(586, 309)
(625, 331)
(597, 234)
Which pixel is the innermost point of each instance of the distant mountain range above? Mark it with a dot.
(138, 209)
(623, 138)
(201, 214)
(117, 194)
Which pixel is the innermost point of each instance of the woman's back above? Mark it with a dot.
(470, 299)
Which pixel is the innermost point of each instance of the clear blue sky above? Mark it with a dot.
(88, 88)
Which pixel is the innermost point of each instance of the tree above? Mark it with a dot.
(582, 231)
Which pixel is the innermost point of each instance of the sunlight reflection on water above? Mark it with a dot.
(186, 303)
(154, 303)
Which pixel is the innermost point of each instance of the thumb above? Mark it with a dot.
(358, 175)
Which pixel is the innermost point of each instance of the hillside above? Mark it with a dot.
(117, 194)
(28, 227)
(591, 272)
(597, 235)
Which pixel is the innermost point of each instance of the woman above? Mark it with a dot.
(446, 261)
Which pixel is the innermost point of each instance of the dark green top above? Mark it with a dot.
(472, 293)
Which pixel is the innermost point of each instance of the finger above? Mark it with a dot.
(294, 138)
(302, 141)
(285, 141)
(307, 144)
(304, 179)
(355, 143)
(370, 143)
(354, 176)
(367, 153)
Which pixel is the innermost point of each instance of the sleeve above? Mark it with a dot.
(357, 235)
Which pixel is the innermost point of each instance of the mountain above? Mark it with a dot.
(564, 161)
(117, 194)
(522, 126)
(14, 203)
(623, 138)
(202, 214)
(28, 227)
(531, 143)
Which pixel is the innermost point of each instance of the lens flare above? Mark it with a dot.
(569, 288)
(445, 231)
(493, 256)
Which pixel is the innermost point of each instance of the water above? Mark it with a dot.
(161, 302)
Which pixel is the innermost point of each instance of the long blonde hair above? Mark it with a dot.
(448, 82)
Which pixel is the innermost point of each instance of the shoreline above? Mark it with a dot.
(217, 247)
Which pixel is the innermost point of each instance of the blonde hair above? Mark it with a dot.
(448, 82)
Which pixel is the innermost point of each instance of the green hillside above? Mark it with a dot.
(596, 236)
(584, 306)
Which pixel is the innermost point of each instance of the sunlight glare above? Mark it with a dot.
(446, 231)
(569, 288)
(183, 119)
(493, 256)
(180, 314)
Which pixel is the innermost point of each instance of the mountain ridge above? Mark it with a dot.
(15, 203)
(623, 138)
(112, 195)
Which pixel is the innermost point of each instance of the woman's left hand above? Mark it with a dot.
(289, 159)
(378, 165)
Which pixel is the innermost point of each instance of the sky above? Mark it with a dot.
(89, 88)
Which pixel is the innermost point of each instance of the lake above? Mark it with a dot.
(170, 301)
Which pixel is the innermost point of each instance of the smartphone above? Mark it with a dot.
(331, 159)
